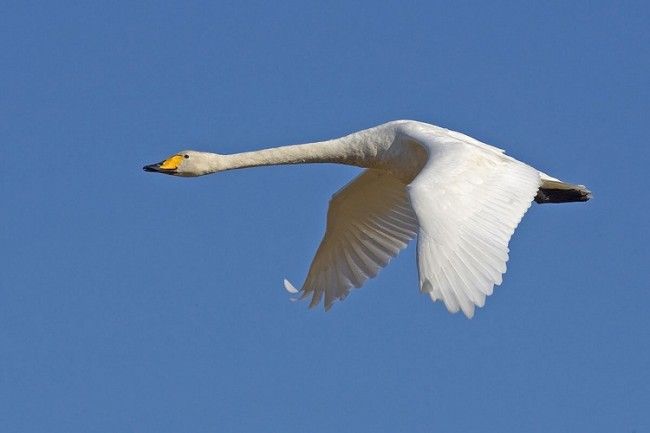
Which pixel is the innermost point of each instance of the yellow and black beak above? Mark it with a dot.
(168, 166)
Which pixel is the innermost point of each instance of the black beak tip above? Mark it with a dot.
(157, 168)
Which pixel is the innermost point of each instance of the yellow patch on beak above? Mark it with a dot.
(172, 163)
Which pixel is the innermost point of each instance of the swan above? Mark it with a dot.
(460, 197)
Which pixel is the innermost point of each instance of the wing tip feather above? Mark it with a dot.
(290, 287)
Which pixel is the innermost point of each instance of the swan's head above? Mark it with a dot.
(188, 163)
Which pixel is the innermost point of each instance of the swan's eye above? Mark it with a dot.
(186, 156)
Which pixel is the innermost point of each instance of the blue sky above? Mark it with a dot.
(145, 303)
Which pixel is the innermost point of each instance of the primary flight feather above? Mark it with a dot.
(461, 198)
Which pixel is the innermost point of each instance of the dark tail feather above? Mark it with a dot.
(561, 192)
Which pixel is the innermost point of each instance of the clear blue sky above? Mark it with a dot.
(133, 302)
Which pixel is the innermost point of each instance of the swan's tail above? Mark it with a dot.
(555, 191)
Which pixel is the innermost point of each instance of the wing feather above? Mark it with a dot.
(369, 221)
(469, 199)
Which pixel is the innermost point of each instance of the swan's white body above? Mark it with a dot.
(462, 199)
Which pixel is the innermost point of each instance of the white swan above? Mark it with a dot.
(460, 197)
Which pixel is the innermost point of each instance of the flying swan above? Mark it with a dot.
(462, 199)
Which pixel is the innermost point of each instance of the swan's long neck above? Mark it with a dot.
(356, 149)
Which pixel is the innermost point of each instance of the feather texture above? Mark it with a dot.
(469, 202)
(368, 222)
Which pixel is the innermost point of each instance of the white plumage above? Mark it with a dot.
(369, 221)
(462, 198)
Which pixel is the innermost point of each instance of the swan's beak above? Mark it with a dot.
(167, 166)
(157, 168)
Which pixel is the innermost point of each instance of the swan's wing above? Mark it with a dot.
(468, 200)
(369, 221)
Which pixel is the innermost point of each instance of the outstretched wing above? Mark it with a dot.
(469, 198)
(369, 221)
